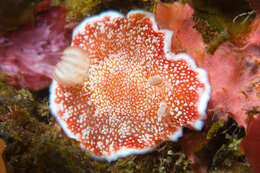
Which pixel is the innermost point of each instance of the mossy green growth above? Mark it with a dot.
(77, 10)
(9, 97)
(50, 152)
(224, 147)
(168, 157)
(212, 132)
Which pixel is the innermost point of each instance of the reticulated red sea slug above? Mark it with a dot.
(119, 90)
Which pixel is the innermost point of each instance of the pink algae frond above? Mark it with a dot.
(135, 94)
(28, 55)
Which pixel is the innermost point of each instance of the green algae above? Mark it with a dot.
(212, 132)
(77, 10)
(224, 150)
(165, 158)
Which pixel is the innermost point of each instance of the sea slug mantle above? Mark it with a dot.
(119, 90)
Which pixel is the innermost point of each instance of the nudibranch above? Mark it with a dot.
(119, 90)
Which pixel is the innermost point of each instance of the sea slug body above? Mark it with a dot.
(119, 90)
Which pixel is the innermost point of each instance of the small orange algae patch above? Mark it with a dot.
(134, 93)
(2, 164)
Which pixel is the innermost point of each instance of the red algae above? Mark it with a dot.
(28, 55)
(251, 143)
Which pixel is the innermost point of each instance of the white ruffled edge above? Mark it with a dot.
(54, 108)
(202, 76)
